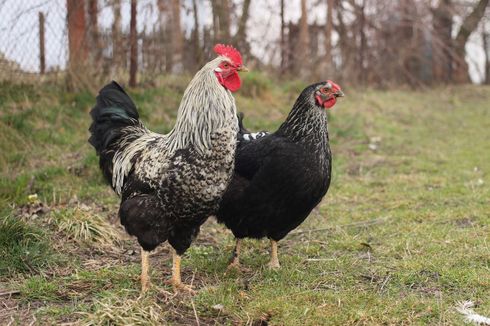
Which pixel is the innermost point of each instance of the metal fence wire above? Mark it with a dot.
(33, 39)
(50, 39)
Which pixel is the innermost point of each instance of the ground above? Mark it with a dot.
(401, 237)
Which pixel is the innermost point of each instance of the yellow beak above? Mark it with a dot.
(243, 69)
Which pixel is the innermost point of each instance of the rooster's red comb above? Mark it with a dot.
(229, 52)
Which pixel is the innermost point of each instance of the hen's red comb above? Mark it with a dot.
(229, 52)
(334, 85)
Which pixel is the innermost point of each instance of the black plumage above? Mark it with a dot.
(280, 177)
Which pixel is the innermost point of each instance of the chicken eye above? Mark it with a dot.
(324, 90)
(226, 65)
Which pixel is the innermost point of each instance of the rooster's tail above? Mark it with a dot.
(244, 135)
(115, 124)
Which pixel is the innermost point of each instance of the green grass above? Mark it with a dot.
(23, 247)
(401, 237)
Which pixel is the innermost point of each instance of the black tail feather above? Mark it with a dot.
(113, 111)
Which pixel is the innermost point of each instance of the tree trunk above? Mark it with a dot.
(198, 55)
(221, 20)
(345, 41)
(96, 46)
(486, 50)
(241, 35)
(470, 23)
(283, 39)
(441, 41)
(328, 38)
(118, 56)
(363, 43)
(76, 34)
(133, 40)
(176, 38)
(303, 59)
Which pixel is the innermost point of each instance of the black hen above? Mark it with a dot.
(280, 177)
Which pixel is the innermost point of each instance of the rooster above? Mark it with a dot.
(169, 184)
(280, 177)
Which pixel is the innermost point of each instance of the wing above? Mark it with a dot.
(251, 155)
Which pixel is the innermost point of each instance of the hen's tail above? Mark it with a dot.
(115, 125)
(244, 135)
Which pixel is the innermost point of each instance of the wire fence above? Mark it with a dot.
(87, 39)
(33, 39)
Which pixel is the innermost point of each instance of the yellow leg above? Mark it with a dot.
(274, 263)
(145, 268)
(176, 279)
(235, 259)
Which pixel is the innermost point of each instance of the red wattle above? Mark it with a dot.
(329, 103)
(232, 82)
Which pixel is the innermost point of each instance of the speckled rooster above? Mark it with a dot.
(170, 184)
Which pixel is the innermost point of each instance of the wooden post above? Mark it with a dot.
(42, 53)
(133, 40)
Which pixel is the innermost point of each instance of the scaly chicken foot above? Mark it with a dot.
(176, 280)
(235, 258)
(145, 268)
(274, 262)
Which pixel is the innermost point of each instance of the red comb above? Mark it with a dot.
(229, 52)
(334, 85)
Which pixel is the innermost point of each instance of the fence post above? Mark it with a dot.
(133, 58)
(42, 53)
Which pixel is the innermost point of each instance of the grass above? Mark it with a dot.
(400, 238)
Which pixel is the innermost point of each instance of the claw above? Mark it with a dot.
(181, 287)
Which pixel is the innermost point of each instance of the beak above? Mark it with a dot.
(243, 69)
(339, 93)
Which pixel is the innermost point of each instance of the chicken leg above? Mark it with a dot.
(274, 262)
(145, 268)
(235, 258)
(176, 279)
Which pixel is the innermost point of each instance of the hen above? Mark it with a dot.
(280, 177)
(169, 184)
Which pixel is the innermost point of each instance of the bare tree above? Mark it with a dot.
(283, 39)
(133, 41)
(470, 23)
(442, 23)
(96, 46)
(361, 16)
(176, 38)
(117, 47)
(302, 57)
(76, 33)
(196, 45)
(449, 63)
(241, 35)
(328, 37)
(221, 20)
(171, 37)
(486, 49)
